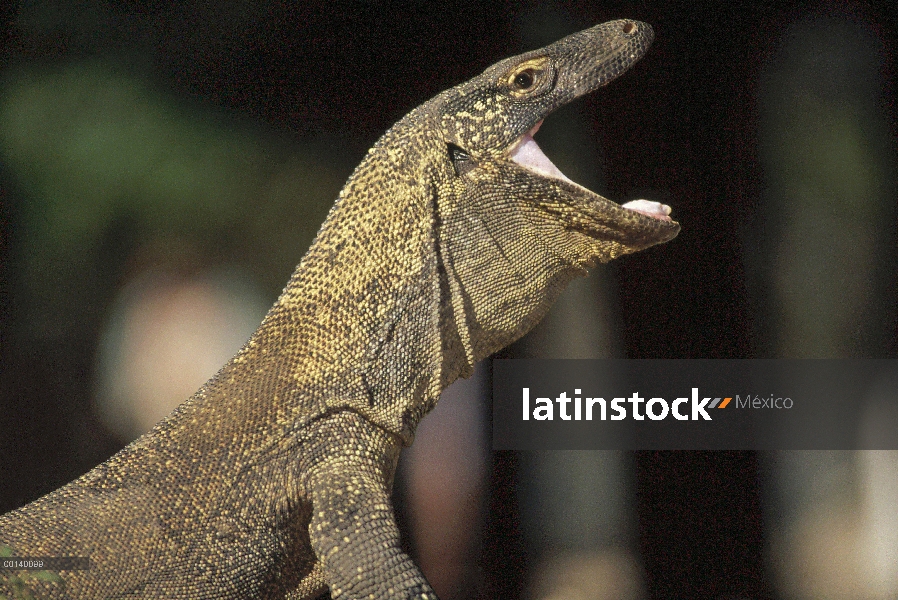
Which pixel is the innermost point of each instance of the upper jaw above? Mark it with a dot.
(613, 47)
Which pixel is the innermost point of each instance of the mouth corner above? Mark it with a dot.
(527, 153)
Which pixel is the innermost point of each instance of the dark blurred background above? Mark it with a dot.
(157, 156)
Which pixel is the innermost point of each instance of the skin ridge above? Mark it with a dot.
(274, 479)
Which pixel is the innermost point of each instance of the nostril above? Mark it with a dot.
(629, 28)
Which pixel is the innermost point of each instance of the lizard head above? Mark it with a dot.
(488, 124)
(505, 210)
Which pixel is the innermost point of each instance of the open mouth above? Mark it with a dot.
(528, 154)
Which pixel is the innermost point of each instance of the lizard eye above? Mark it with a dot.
(530, 78)
(524, 79)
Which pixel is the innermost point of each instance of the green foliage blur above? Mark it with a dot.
(91, 147)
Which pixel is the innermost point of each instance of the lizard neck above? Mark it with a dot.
(360, 326)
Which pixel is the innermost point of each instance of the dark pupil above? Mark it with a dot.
(524, 79)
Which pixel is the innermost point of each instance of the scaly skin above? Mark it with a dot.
(273, 481)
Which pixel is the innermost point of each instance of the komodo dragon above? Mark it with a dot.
(450, 240)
